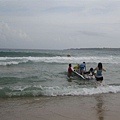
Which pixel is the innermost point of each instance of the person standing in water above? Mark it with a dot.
(70, 70)
(82, 68)
(99, 76)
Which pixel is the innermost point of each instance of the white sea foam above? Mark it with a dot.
(58, 59)
(37, 90)
(11, 63)
(81, 91)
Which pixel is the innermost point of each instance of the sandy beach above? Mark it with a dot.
(96, 107)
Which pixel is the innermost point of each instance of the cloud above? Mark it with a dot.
(6, 32)
(10, 36)
(91, 33)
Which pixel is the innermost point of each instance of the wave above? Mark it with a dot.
(12, 63)
(34, 91)
(26, 53)
(58, 59)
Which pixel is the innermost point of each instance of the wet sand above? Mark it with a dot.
(96, 107)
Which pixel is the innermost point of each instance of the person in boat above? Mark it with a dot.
(99, 69)
(90, 73)
(82, 68)
(76, 68)
(70, 70)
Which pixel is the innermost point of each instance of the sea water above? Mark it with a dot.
(32, 73)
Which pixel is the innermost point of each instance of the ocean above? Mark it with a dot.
(38, 73)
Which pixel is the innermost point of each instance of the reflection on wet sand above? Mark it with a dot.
(100, 107)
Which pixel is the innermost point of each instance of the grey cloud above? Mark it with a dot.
(90, 33)
(6, 32)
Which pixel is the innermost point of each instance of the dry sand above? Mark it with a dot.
(97, 107)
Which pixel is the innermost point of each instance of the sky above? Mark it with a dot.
(59, 24)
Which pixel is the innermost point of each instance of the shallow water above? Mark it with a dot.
(32, 73)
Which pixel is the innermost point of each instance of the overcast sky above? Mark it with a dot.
(59, 24)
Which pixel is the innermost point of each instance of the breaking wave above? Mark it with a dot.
(58, 59)
(37, 90)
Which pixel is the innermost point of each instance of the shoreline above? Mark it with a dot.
(95, 107)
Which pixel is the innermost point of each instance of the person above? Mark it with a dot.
(82, 68)
(70, 70)
(90, 73)
(98, 75)
(76, 68)
(68, 55)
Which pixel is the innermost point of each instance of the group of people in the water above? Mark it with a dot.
(81, 69)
